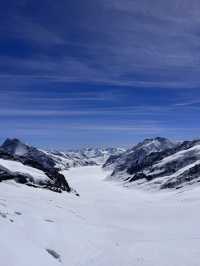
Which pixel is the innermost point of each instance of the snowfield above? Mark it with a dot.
(107, 225)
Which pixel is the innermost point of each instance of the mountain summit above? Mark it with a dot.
(138, 152)
(15, 147)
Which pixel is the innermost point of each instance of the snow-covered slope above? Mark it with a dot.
(107, 225)
(17, 169)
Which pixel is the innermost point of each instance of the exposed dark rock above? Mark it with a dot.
(137, 176)
(188, 176)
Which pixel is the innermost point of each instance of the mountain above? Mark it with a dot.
(100, 155)
(16, 156)
(29, 165)
(165, 165)
(153, 163)
(66, 160)
(82, 157)
(27, 154)
(137, 153)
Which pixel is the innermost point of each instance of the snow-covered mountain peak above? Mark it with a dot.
(138, 152)
(15, 147)
(155, 144)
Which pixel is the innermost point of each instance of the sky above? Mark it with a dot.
(77, 73)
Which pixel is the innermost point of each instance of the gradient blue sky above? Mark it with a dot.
(99, 72)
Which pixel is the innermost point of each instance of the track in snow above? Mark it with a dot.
(107, 225)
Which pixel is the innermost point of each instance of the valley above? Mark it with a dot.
(107, 225)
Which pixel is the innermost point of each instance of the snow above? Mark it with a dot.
(152, 146)
(17, 167)
(20, 150)
(178, 155)
(106, 225)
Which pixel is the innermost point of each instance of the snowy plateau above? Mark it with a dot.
(135, 207)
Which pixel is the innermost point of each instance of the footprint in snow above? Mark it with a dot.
(49, 221)
(3, 214)
(18, 213)
(77, 215)
(6, 215)
(54, 254)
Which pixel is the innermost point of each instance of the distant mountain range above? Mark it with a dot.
(82, 157)
(156, 163)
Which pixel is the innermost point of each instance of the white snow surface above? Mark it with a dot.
(17, 167)
(106, 225)
(20, 150)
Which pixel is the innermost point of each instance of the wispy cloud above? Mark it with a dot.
(129, 43)
(88, 66)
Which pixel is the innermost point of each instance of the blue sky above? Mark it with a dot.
(99, 72)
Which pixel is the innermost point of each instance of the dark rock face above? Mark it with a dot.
(14, 149)
(59, 180)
